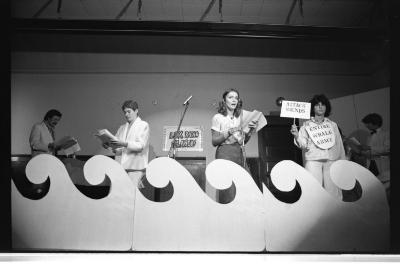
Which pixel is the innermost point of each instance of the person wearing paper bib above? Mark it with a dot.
(226, 131)
(132, 147)
(320, 138)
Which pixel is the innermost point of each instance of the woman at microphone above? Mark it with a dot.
(320, 138)
(227, 134)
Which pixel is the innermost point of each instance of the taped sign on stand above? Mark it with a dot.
(322, 135)
(189, 138)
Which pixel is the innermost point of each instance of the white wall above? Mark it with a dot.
(90, 88)
(348, 111)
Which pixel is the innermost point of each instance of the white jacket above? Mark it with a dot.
(136, 155)
(39, 139)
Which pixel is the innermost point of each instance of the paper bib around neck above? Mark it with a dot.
(322, 135)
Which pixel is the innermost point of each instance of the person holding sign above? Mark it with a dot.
(131, 143)
(226, 130)
(320, 138)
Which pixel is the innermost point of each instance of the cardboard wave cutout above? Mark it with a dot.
(190, 220)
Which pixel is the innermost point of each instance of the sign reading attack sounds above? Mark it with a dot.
(295, 109)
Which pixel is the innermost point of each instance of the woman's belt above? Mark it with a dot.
(135, 170)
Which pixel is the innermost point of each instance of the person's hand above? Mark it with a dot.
(117, 144)
(54, 146)
(253, 124)
(232, 130)
(294, 131)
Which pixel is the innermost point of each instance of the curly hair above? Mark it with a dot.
(320, 98)
(222, 105)
(373, 118)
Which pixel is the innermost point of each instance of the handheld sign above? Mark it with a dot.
(322, 135)
(295, 109)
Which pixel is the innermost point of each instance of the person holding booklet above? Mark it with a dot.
(377, 150)
(42, 139)
(131, 142)
(320, 138)
(227, 130)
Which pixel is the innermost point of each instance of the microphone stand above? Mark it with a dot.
(172, 149)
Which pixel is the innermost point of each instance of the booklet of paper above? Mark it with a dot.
(253, 116)
(105, 136)
(65, 142)
(71, 150)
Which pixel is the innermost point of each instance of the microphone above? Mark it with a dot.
(187, 100)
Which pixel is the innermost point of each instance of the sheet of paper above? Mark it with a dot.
(65, 142)
(72, 149)
(253, 116)
(105, 136)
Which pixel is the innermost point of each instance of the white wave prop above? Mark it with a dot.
(319, 222)
(67, 219)
(190, 220)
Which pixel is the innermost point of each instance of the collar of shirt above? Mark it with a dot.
(312, 119)
(134, 122)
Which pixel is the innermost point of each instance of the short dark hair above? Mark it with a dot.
(130, 104)
(51, 113)
(320, 98)
(373, 118)
(222, 106)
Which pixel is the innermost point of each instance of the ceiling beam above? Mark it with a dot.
(199, 29)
